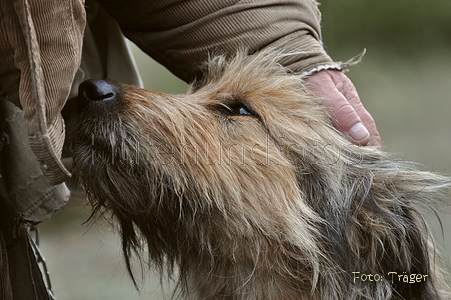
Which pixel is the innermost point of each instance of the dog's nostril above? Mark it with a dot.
(95, 90)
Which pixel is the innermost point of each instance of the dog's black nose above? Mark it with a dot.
(95, 90)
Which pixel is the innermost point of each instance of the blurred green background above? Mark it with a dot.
(404, 81)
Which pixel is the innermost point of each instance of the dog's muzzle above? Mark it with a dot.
(95, 90)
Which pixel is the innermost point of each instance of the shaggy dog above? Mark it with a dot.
(245, 190)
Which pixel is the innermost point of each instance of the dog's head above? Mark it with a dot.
(247, 128)
(246, 167)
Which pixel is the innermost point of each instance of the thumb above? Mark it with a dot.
(360, 122)
(341, 99)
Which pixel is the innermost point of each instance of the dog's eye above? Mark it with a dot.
(234, 109)
(243, 111)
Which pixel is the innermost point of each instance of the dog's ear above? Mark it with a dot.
(385, 218)
(385, 231)
(372, 224)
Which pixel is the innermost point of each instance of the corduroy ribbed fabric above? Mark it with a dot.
(40, 46)
(38, 80)
(181, 34)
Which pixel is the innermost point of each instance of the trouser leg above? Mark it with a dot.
(5, 283)
(20, 272)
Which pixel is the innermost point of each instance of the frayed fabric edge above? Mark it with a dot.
(339, 66)
(321, 68)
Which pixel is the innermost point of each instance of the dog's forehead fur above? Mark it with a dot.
(265, 89)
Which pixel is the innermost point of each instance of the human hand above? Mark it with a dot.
(340, 97)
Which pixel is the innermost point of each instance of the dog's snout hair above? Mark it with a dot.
(244, 186)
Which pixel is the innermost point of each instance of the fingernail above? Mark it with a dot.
(358, 132)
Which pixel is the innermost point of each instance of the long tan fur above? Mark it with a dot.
(244, 186)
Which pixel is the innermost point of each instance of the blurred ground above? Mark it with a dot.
(408, 93)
